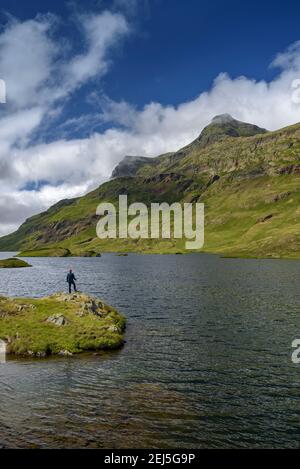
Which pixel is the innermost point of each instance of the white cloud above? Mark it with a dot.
(40, 78)
(27, 55)
(72, 167)
(289, 59)
(101, 32)
(16, 206)
(38, 75)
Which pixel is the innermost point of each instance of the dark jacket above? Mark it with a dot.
(70, 277)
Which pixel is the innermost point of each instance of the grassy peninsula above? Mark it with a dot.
(13, 263)
(60, 324)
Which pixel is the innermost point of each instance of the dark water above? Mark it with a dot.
(207, 361)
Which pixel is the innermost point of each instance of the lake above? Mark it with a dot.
(206, 364)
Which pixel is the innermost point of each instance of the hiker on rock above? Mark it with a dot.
(71, 281)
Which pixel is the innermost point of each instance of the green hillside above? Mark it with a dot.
(248, 178)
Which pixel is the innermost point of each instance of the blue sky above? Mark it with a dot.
(89, 82)
(176, 50)
(179, 47)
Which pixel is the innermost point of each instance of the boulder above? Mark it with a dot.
(114, 329)
(58, 320)
(65, 353)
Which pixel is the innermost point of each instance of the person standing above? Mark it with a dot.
(71, 281)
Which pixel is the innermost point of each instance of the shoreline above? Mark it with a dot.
(146, 253)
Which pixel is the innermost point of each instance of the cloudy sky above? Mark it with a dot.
(87, 86)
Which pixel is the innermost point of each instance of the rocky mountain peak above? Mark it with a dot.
(224, 125)
(223, 119)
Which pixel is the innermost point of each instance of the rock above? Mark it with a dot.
(114, 329)
(280, 197)
(130, 165)
(94, 307)
(212, 180)
(291, 169)
(88, 254)
(58, 320)
(65, 353)
(21, 308)
(264, 219)
(3, 346)
(80, 314)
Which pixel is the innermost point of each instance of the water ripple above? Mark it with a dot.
(206, 364)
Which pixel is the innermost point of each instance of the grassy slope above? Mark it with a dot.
(260, 225)
(252, 210)
(23, 323)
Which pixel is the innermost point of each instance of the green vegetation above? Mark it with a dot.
(13, 264)
(46, 252)
(248, 179)
(59, 325)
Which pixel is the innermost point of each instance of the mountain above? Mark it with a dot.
(221, 126)
(248, 179)
(224, 125)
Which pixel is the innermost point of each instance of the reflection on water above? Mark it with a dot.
(207, 361)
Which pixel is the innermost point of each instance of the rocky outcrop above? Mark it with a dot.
(58, 320)
(130, 165)
(265, 218)
(291, 169)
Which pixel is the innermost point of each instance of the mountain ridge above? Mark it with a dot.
(250, 185)
(221, 126)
